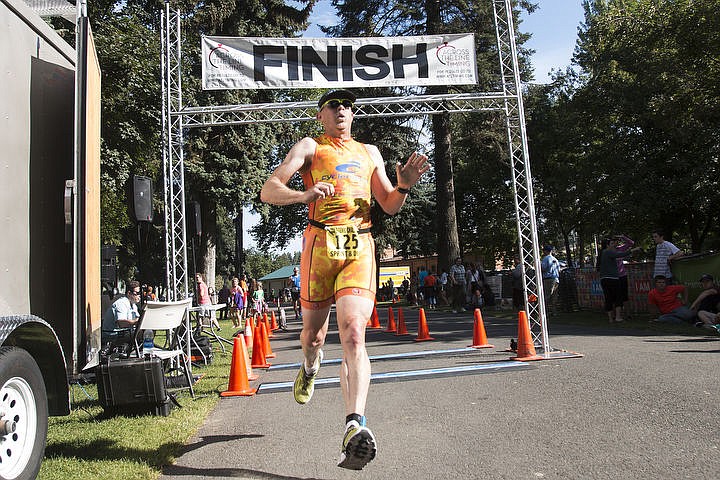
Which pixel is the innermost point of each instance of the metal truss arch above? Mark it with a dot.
(507, 102)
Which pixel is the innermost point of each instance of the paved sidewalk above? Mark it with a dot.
(637, 405)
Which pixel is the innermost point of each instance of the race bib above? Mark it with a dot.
(342, 242)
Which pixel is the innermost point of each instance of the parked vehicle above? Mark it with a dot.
(49, 218)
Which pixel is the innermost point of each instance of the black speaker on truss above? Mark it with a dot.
(194, 219)
(142, 198)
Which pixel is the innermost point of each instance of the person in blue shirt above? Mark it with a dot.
(551, 278)
(294, 284)
(123, 314)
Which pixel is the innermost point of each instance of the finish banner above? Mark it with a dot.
(253, 63)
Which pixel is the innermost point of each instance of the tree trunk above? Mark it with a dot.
(207, 252)
(448, 247)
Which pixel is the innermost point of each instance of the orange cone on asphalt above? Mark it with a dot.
(401, 327)
(375, 319)
(391, 328)
(268, 327)
(258, 354)
(266, 341)
(423, 334)
(238, 384)
(248, 364)
(273, 321)
(479, 336)
(249, 327)
(525, 346)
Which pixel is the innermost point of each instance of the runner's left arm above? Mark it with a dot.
(389, 198)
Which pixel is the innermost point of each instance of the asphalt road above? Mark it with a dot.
(637, 405)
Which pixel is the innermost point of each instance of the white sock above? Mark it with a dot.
(310, 370)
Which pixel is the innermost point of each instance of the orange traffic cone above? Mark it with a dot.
(401, 328)
(391, 328)
(248, 335)
(423, 334)
(273, 321)
(258, 356)
(525, 346)
(238, 384)
(375, 319)
(479, 336)
(266, 341)
(251, 376)
(268, 327)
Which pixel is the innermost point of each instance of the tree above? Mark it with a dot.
(224, 166)
(646, 112)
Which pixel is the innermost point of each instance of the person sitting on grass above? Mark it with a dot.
(707, 304)
(670, 302)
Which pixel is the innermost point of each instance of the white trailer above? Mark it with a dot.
(49, 221)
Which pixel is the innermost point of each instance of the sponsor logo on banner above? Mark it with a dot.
(253, 63)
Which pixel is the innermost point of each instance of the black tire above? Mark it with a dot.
(23, 400)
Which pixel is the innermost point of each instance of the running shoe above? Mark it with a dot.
(304, 383)
(359, 447)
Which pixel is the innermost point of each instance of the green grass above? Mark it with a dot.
(88, 444)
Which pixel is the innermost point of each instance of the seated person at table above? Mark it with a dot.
(122, 314)
(670, 301)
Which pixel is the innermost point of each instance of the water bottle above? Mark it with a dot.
(148, 342)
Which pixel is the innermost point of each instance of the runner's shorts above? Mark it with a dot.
(329, 279)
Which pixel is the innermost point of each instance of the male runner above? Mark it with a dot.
(294, 285)
(338, 257)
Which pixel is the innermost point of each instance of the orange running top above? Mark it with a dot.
(348, 166)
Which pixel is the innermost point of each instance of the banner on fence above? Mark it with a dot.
(253, 63)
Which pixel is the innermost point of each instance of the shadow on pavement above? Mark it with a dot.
(227, 472)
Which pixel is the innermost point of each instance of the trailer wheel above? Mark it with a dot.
(23, 415)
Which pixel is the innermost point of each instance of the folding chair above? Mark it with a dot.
(167, 316)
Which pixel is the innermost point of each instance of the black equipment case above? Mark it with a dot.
(133, 386)
(201, 350)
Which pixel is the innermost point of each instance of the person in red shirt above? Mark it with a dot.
(430, 284)
(670, 301)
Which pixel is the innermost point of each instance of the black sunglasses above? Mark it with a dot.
(336, 102)
(135, 293)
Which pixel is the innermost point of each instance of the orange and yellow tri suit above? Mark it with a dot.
(338, 255)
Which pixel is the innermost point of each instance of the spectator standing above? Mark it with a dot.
(442, 287)
(259, 297)
(237, 303)
(430, 287)
(421, 285)
(670, 301)
(246, 294)
(294, 285)
(624, 243)
(610, 278)
(148, 294)
(204, 300)
(475, 279)
(224, 297)
(405, 286)
(459, 285)
(551, 279)
(665, 253)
